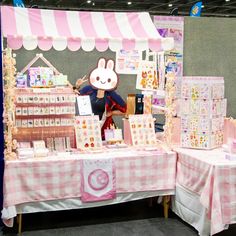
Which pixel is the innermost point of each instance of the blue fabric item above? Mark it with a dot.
(18, 3)
(1, 132)
(196, 9)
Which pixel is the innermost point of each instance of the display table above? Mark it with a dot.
(54, 183)
(205, 177)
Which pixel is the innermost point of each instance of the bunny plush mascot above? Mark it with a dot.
(105, 101)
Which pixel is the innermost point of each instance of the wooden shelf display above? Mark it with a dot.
(43, 113)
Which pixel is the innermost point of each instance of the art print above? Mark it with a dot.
(147, 78)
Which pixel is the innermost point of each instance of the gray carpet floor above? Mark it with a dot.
(128, 219)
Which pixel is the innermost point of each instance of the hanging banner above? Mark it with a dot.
(98, 179)
(196, 9)
(18, 3)
(171, 26)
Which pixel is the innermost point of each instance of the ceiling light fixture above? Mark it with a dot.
(227, 0)
(170, 5)
(89, 1)
(93, 4)
(202, 6)
(129, 3)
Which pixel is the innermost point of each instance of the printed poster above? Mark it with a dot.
(147, 78)
(172, 26)
(127, 62)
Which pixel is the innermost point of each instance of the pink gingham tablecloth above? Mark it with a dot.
(59, 178)
(210, 175)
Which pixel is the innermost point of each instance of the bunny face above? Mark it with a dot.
(104, 77)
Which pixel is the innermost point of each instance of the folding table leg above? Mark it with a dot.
(166, 203)
(19, 221)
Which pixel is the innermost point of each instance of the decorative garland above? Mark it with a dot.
(9, 71)
(170, 112)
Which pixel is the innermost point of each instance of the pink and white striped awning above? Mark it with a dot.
(30, 28)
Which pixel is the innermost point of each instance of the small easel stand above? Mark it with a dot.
(9, 72)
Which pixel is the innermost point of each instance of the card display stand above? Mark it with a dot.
(43, 113)
(203, 109)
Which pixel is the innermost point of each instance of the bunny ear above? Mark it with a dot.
(101, 63)
(110, 64)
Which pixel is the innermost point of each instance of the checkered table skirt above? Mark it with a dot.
(213, 178)
(59, 178)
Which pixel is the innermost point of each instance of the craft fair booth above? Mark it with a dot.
(58, 181)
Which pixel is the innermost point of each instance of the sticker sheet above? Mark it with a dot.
(142, 130)
(185, 90)
(88, 132)
(218, 91)
(203, 109)
(195, 91)
(194, 106)
(205, 91)
(185, 106)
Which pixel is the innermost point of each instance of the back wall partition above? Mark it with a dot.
(210, 50)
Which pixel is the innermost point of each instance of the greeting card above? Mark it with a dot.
(84, 105)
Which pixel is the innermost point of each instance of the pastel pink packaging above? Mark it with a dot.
(203, 109)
